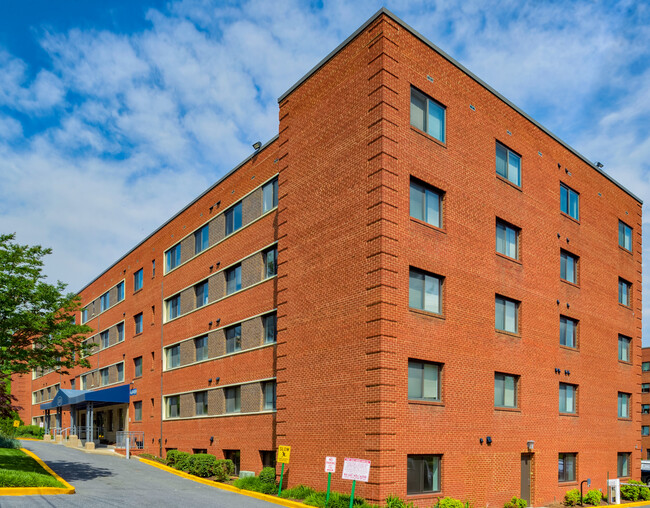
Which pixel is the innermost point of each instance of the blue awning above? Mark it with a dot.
(113, 395)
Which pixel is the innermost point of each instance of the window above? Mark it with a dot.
(623, 465)
(233, 455)
(104, 376)
(645, 430)
(427, 115)
(423, 474)
(505, 390)
(172, 406)
(104, 339)
(202, 239)
(233, 339)
(425, 291)
(566, 470)
(624, 290)
(645, 409)
(233, 399)
(153, 268)
(104, 301)
(84, 382)
(120, 291)
(623, 405)
(507, 240)
(137, 280)
(137, 410)
(270, 329)
(173, 307)
(201, 403)
(120, 372)
(137, 320)
(137, 364)
(506, 314)
(120, 332)
(233, 279)
(424, 381)
(426, 204)
(645, 387)
(84, 315)
(270, 195)
(201, 348)
(269, 395)
(172, 257)
(568, 267)
(645, 366)
(233, 219)
(173, 356)
(508, 164)
(201, 291)
(624, 349)
(270, 263)
(568, 332)
(268, 458)
(569, 202)
(567, 398)
(624, 236)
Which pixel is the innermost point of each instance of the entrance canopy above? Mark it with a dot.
(105, 397)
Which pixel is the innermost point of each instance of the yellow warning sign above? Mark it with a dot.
(16, 423)
(283, 454)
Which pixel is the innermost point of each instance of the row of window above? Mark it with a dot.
(424, 385)
(104, 377)
(423, 471)
(233, 222)
(105, 301)
(428, 116)
(45, 394)
(232, 396)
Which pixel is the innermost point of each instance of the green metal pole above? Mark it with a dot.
(354, 482)
(281, 476)
(329, 481)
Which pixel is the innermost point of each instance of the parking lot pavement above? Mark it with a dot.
(102, 480)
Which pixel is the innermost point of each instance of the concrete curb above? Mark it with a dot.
(223, 486)
(38, 491)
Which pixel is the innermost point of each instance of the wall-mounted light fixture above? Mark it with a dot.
(480, 440)
(530, 445)
(488, 440)
(257, 145)
(211, 439)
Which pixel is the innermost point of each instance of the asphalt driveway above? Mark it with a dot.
(102, 480)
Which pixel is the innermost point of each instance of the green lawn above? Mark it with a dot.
(17, 469)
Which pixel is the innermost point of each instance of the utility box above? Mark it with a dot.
(614, 491)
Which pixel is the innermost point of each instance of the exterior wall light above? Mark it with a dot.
(530, 445)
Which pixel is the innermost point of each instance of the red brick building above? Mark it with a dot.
(645, 412)
(457, 296)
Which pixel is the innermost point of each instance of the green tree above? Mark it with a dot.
(37, 327)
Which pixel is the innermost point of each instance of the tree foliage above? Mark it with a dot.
(37, 328)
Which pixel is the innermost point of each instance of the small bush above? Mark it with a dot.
(450, 502)
(638, 490)
(203, 465)
(223, 469)
(7, 424)
(397, 502)
(336, 500)
(516, 502)
(572, 497)
(30, 431)
(176, 456)
(155, 458)
(8, 442)
(267, 475)
(593, 497)
(297, 492)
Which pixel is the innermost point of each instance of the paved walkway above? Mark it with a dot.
(102, 480)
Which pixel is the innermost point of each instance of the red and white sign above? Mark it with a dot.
(356, 469)
(330, 464)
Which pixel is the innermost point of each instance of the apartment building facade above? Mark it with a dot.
(412, 272)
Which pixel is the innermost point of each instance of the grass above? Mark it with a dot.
(17, 469)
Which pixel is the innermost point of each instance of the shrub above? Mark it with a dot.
(593, 497)
(223, 469)
(336, 500)
(450, 502)
(516, 502)
(572, 497)
(637, 490)
(267, 475)
(30, 431)
(298, 492)
(204, 465)
(155, 458)
(8, 442)
(175, 456)
(397, 502)
(7, 424)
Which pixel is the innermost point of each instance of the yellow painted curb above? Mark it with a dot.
(28, 439)
(223, 486)
(38, 491)
(638, 503)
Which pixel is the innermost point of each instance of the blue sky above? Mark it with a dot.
(115, 114)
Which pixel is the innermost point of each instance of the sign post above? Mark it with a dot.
(330, 467)
(284, 452)
(16, 425)
(355, 469)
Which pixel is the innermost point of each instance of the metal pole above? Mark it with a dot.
(354, 483)
(329, 481)
(128, 444)
(281, 476)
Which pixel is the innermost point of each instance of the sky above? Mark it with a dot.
(116, 114)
